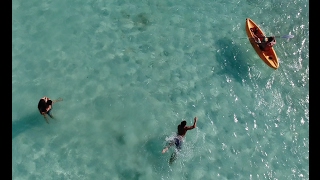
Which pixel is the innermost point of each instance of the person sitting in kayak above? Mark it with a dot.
(266, 43)
(256, 35)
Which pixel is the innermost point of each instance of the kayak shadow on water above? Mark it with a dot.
(25, 123)
(232, 59)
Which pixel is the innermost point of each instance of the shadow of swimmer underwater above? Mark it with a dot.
(178, 139)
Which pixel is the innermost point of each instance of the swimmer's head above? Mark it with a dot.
(183, 123)
(271, 38)
(42, 105)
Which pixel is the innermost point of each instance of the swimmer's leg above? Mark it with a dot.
(168, 146)
(173, 157)
(49, 114)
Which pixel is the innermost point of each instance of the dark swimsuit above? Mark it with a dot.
(178, 142)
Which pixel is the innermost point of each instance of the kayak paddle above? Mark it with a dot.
(289, 36)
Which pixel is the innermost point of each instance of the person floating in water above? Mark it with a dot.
(178, 139)
(45, 106)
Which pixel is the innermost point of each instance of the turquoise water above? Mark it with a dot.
(130, 71)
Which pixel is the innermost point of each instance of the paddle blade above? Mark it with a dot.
(288, 36)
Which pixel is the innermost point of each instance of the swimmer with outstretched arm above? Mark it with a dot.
(182, 130)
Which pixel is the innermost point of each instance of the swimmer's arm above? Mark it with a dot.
(57, 100)
(194, 124)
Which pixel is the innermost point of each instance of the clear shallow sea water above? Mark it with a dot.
(130, 71)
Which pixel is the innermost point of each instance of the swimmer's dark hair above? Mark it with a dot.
(183, 123)
(271, 38)
(42, 106)
(181, 126)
